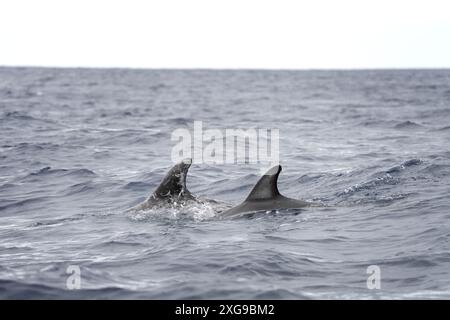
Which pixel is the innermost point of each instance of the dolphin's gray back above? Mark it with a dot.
(265, 196)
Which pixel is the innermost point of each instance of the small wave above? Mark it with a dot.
(58, 221)
(64, 172)
(27, 147)
(380, 199)
(20, 116)
(385, 180)
(437, 170)
(310, 177)
(372, 123)
(158, 87)
(42, 171)
(17, 115)
(76, 217)
(7, 92)
(8, 185)
(99, 129)
(443, 113)
(81, 172)
(407, 125)
(120, 243)
(180, 121)
(446, 128)
(138, 186)
(21, 203)
(410, 262)
(278, 294)
(80, 188)
(404, 165)
(11, 289)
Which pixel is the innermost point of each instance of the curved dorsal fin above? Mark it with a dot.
(174, 183)
(266, 187)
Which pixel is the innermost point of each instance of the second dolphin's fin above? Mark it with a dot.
(266, 188)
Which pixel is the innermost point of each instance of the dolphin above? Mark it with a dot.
(172, 190)
(265, 196)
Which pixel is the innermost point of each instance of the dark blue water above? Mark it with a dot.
(79, 147)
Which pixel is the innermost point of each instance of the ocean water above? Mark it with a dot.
(80, 146)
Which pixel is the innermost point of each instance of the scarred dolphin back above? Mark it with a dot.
(174, 183)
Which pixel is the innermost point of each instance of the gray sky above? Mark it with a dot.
(226, 34)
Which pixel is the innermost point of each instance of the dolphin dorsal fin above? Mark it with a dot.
(266, 187)
(174, 183)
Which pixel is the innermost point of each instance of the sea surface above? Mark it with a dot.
(78, 147)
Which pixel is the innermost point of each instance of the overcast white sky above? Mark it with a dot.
(226, 34)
